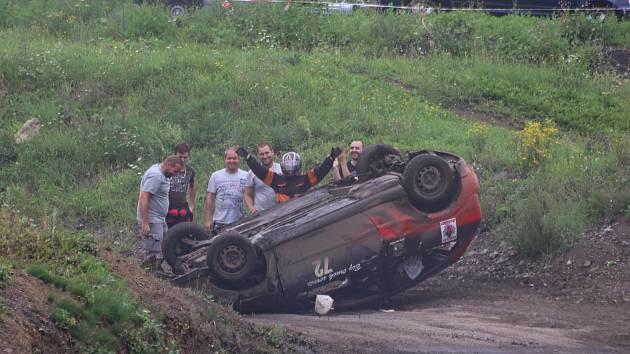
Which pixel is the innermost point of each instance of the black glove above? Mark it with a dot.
(335, 152)
(242, 152)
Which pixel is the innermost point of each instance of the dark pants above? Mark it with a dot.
(177, 215)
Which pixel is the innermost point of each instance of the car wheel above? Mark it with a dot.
(231, 257)
(177, 7)
(430, 182)
(374, 160)
(177, 241)
(422, 7)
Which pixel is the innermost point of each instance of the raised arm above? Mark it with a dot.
(343, 165)
(265, 174)
(335, 169)
(317, 174)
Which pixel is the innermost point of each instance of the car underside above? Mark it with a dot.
(359, 240)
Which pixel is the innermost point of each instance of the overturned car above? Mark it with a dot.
(359, 240)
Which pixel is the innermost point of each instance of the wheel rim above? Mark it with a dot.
(177, 10)
(422, 8)
(429, 180)
(182, 247)
(232, 258)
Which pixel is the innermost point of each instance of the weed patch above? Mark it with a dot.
(561, 200)
(95, 306)
(104, 317)
(534, 144)
(5, 276)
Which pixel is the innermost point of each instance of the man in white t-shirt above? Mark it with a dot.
(224, 200)
(258, 195)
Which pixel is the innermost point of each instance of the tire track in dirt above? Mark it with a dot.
(489, 321)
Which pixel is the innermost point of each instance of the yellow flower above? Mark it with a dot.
(534, 143)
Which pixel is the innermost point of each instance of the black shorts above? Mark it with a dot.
(177, 215)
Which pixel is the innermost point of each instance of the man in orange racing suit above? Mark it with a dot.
(291, 184)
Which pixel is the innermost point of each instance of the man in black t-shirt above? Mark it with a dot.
(181, 196)
(343, 168)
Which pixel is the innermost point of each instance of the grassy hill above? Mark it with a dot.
(533, 103)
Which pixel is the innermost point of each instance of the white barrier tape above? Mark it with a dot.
(379, 6)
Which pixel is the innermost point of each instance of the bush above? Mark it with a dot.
(543, 224)
(42, 272)
(562, 199)
(5, 273)
(534, 144)
(104, 317)
(478, 136)
(5, 276)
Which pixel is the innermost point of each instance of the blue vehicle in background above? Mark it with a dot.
(598, 8)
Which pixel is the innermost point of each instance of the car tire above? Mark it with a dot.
(422, 7)
(231, 257)
(429, 182)
(371, 160)
(173, 245)
(178, 7)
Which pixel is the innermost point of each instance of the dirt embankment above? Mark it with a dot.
(196, 323)
(191, 319)
(596, 270)
(26, 325)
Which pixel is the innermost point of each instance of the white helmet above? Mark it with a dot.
(291, 163)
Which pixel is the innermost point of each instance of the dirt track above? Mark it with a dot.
(494, 302)
(491, 318)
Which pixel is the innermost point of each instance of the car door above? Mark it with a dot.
(325, 255)
(463, 4)
(502, 6)
(539, 7)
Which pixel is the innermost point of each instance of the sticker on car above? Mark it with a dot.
(448, 228)
(321, 271)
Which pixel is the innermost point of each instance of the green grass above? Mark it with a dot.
(116, 86)
(95, 306)
(106, 320)
(5, 276)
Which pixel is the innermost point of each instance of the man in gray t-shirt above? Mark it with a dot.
(224, 200)
(153, 205)
(258, 195)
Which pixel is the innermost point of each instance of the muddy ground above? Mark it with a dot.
(493, 301)
(26, 325)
